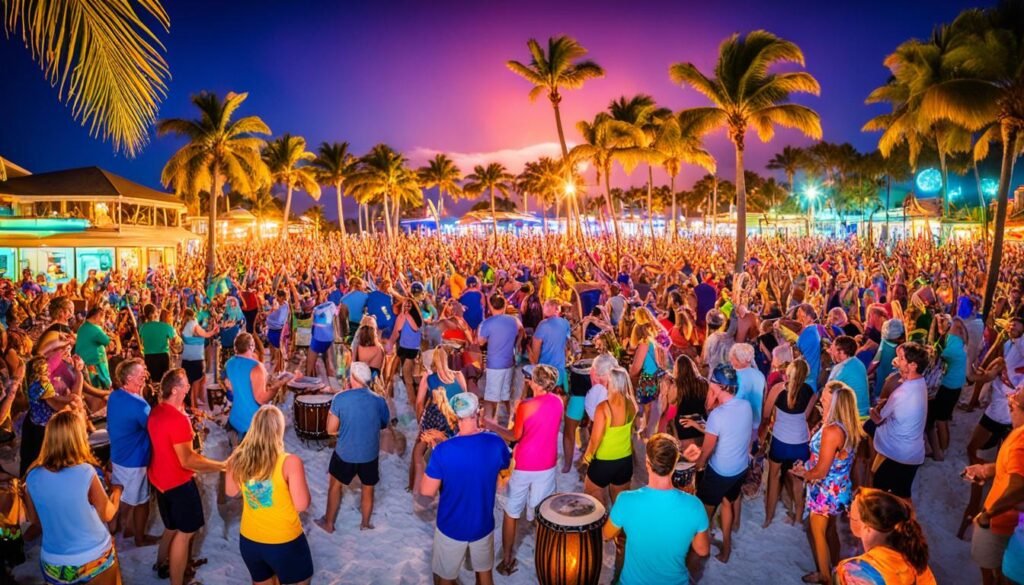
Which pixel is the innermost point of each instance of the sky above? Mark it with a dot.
(428, 77)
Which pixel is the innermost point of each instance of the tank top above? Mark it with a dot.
(790, 423)
(268, 514)
(408, 338)
(238, 370)
(617, 442)
(650, 360)
(193, 344)
(434, 382)
(72, 531)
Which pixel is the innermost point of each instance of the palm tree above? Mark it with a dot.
(745, 94)
(790, 160)
(642, 113)
(315, 215)
(987, 93)
(262, 204)
(554, 70)
(441, 172)
(219, 150)
(493, 177)
(678, 145)
(382, 175)
(288, 161)
(333, 166)
(108, 64)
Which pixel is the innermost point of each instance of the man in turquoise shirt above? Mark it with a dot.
(850, 371)
(661, 522)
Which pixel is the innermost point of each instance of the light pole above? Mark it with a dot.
(811, 193)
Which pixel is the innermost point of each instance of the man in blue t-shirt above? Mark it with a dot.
(465, 470)
(809, 343)
(382, 307)
(548, 348)
(851, 371)
(322, 338)
(357, 416)
(355, 303)
(661, 522)
(127, 415)
(473, 301)
(501, 332)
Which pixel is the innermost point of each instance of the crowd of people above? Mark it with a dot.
(824, 375)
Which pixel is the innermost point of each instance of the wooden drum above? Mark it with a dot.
(99, 444)
(306, 385)
(684, 477)
(310, 412)
(569, 546)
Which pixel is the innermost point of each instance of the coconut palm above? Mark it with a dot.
(678, 145)
(382, 175)
(94, 51)
(219, 150)
(264, 204)
(790, 160)
(441, 172)
(333, 166)
(745, 94)
(491, 178)
(551, 71)
(316, 217)
(288, 161)
(642, 113)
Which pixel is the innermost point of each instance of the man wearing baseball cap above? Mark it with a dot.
(726, 450)
(467, 466)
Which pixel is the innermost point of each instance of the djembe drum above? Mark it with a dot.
(569, 546)
(684, 477)
(310, 411)
(99, 444)
(579, 377)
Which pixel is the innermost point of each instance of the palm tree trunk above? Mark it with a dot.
(387, 216)
(714, 205)
(398, 216)
(287, 210)
(984, 206)
(1005, 174)
(675, 210)
(741, 211)
(650, 199)
(341, 210)
(610, 207)
(494, 217)
(211, 237)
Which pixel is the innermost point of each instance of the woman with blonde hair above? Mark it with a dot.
(274, 491)
(785, 412)
(647, 367)
(437, 420)
(827, 474)
(609, 455)
(66, 498)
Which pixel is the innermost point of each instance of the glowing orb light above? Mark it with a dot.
(811, 192)
(929, 181)
(989, 187)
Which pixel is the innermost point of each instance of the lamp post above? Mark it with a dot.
(811, 192)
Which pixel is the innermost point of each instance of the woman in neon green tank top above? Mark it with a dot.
(609, 455)
(274, 491)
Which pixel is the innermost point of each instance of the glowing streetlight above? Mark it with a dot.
(570, 189)
(811, 193)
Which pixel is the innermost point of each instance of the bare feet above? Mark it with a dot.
(723, 555)
(146, 540)
(366, 526)
(322, 523)
(767, 522)
(567, 467)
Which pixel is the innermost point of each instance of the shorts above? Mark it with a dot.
(407, 353)
(290, 562)
(895, 477)
(528, 488)
(157, 365)
(345, 472)
(274, 338)
(714, 488)
(74, 574)
(449, 554)
(575, 407)
(181, 508)
(999, 431)
(606, 472)
(788, 454)
(941, 407)
(134, 482)
(195, 370)
(498, 387)
(987, 548)
(319, 347)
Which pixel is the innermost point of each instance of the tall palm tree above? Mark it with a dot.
(107, 63)
(678, 145)
(641, 112)
(219, 150)
(263, 204)
(333, 166)
(382, 175)
(744, 94)
(315, 215)
(493, 177)
(790, 160)
(551, 71)
(288, 161)
(986, 93)
(441, 172)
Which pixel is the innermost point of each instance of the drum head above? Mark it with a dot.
(528, 371)
(684, 465)
(99, 437)
(571, 510)
(582, 366)
(314, 398)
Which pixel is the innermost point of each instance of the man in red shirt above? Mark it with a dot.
(172, 470)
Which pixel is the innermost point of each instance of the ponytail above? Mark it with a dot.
(908, 539)
(894, 517)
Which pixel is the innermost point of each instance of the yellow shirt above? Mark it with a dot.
(268, 515)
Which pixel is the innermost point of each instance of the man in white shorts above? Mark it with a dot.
(127, 414)
(501, 333)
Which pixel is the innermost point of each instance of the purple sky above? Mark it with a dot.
(431, 76)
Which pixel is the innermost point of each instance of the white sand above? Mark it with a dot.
(398, 549)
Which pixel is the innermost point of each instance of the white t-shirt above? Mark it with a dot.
(900, 436)
(998, 406)
(730, 422)
(596, 395)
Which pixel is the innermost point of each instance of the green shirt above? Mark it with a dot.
(156, 337)
(91, 344)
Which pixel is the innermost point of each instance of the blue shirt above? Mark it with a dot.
(323, 322)
(809, 344)
(468, 468)
(473, 301)
(238, 370)
(336, 296)
(362, 414)
(355, 300)
(659, 527)
(72, 531)
(853, 373)
(381, 306)
(751, 388)
(500, 331)
(553, 333)
(954, 356)
(126, 426)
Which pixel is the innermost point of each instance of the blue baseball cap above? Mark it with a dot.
(725, 375)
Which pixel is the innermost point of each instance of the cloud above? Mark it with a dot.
(514, 159)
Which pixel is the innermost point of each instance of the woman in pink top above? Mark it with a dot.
(535, 434)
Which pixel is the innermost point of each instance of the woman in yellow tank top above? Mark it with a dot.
(609, 455)
(274, 491)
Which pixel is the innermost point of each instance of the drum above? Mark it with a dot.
(311, 416)
(579, 377)
(588, 349)
(306, 385)
(99, 444)
(569, 546)
(685, 476)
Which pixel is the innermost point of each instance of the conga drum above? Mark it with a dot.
(569, 546)
(579, 377)
(588, 349)
(99, 444)
(684, 477)
(310, 412)
(306, 385)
